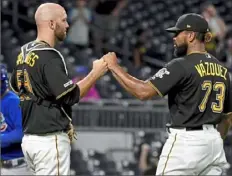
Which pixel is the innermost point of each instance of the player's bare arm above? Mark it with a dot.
(99, 68)
(225, 125)
(139, 88)
(226, 122)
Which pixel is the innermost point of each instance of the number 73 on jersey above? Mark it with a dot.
(218, 104)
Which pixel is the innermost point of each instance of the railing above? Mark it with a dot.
(121, 115)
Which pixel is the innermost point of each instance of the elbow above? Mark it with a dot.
(142, 98)
(145, 92)
(143, 95)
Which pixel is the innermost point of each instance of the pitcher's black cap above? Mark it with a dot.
(190, 22)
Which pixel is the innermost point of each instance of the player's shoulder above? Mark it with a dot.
(177, 66)
(42, 49)
(50, 53)
(176, 61)
(200, 56)
(214, 59)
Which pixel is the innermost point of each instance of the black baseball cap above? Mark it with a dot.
(190, 22)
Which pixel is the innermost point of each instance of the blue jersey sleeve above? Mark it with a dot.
(15, 115)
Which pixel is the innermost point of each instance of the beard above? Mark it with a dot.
(60, 36)
(181, 50)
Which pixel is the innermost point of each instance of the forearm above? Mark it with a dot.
(225, 124)
(143, 161)
(133, 85)
(14, 136)
(122, 84)
(86, 83)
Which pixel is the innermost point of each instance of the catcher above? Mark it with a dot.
(47, 94)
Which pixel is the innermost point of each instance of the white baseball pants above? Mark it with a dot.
(48, 154)
(198, 152)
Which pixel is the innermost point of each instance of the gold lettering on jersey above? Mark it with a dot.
(218, 71)
(203, 71)
(198, 70)
(211, 69)
(225, 72)
(207, 68)
(19, 59)
(30, 60)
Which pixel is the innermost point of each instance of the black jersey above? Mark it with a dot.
(45, 77)
(198, 89)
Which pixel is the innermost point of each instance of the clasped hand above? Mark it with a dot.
(107, 62)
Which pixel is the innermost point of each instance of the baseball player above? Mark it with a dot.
(47, 93)
(12, 161)
(199, 97)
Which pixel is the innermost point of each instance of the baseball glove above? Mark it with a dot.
(71, 133)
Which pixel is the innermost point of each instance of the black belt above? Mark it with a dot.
(46, 103)
(48, 133)
(190, 128)
(12, 163)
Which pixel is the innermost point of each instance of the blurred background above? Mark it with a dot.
(117, 134)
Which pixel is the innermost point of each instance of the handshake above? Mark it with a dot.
(107, 62)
